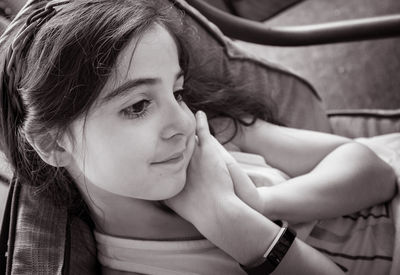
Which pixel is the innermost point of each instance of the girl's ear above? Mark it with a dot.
(50, 150)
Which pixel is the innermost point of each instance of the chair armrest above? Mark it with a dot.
(355, 123)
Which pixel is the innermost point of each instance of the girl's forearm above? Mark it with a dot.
(245, 234)
(349, 179)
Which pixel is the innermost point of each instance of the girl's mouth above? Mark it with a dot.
(173, 159)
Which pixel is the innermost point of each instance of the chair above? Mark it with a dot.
(69, 238)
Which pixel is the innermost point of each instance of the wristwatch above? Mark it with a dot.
(275, 253)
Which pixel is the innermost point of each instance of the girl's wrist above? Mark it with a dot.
(269, 205)
(239, 230)
(210, 214)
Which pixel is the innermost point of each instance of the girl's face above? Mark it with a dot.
(138, 138)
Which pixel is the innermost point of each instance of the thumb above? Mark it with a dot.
(202, 129)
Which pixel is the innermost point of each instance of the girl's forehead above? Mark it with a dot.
(152, 55)
(147, 51)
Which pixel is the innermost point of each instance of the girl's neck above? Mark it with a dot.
(134, 218)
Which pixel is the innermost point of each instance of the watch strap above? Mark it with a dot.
(274, 256)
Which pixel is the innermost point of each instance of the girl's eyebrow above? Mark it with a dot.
(132, 84)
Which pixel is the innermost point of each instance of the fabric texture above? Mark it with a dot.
(366, 242)
(388, 148)
(39, 236)
(360, 243)
(356, 123)
(253, 9)
(293, 100)
(164, 257)
(81, 249)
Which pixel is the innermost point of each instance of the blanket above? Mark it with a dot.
(387, 147)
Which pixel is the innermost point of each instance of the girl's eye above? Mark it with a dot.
(179, 95)
(137, 110)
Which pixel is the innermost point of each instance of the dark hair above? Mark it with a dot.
(67, 65)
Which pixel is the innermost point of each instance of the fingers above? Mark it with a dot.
(204, 136)
(244, 187)
(224, 153)
(240, 178)
(202, 129)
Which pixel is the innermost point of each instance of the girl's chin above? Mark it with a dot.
(176, 187)
(179, 188)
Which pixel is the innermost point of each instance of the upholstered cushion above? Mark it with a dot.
(364, 123)
(297, 103)
(253, 9)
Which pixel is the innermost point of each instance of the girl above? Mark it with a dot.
(97, 102)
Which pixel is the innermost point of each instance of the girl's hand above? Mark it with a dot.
(244, 186)
(208, 184)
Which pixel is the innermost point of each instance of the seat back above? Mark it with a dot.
(297, 103)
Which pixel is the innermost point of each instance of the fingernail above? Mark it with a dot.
(201, 115)
(198, 115)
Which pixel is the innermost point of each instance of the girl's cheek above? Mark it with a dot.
(193, 122)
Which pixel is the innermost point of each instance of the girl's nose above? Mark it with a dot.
(177, 121)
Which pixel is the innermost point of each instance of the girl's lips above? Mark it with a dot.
(180, 155)
(172, 160)
(175, 158)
